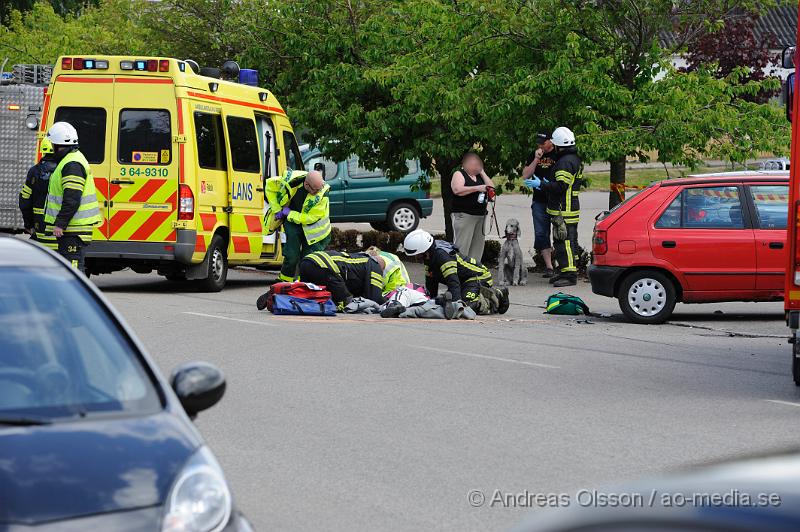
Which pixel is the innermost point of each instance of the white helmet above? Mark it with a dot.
(417, 242)
(62, 134)
(563, 137)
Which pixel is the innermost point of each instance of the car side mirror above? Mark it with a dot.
(788, 95)
(320, 167)
(198, 385)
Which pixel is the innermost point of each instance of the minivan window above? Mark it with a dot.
(292, 151)
(331, 168)
(145, 137)
(772, 205)
(210, 141)
(90, 123)
(61, 355)
(245, 155)
(356, 171)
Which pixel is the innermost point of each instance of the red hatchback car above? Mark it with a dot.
(717, 237)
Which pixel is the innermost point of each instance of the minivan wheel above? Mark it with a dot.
(403, 217)
(217, 266)
(647, 297)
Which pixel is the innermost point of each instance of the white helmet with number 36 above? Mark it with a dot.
(62, 134)
(563, 137)
(417, 242)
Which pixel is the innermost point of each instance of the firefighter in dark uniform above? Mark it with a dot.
(33, 196)
(466, 279)
(345, 275)
(564, 207)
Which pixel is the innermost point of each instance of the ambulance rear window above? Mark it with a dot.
(244, 144)
(90, 122)
(145, 136)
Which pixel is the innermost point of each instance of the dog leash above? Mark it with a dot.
(493, 218)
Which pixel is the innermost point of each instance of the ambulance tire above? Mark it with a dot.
(217, 266)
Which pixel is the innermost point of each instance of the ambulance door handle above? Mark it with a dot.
(260, 189)
(121, 182)
(228, 210)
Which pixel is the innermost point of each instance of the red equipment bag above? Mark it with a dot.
(301, 290)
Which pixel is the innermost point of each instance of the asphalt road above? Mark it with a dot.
(359, 423)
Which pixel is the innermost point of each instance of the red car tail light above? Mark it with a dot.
(600, 242)
(185, 203)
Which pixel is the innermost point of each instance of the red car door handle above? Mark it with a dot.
(669, 244)
(776, 245)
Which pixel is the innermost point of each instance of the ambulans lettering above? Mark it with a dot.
(242, 191)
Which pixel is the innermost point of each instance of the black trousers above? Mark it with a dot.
(311, 272)
(566, 251)
(72, 248)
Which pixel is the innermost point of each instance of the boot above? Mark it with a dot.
(392, 310)
(261, 302)
(548, 273)
(450, 307)
(504, 302)
(556, 277)
(566, 280)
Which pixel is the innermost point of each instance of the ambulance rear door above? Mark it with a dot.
(246, 202)
(144, 176)
(269, 164)
(87, 102)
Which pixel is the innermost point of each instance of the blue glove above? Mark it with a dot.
(534, 183)
(283, 213)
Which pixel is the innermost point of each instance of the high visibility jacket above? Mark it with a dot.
(33, 196)
(562, 192)
(395, 274)
(314, 216)
(361, 272)
(447, 266)
(81, 213)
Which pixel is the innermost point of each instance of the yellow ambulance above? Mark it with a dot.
(179, 156)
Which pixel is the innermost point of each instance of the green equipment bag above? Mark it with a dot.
(566, 304)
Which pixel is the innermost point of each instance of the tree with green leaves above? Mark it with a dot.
(41, 35)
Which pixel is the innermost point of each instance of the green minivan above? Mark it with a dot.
(361, 195)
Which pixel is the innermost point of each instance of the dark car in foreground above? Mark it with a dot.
(92, 437)
(760, 494)
(704, 239)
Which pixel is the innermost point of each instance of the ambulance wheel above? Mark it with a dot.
(403, 217)
(217, 266)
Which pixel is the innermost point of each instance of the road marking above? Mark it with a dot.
(485, 357)
(229, 319)
(777, 402)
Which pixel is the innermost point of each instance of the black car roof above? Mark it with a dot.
(18, 252)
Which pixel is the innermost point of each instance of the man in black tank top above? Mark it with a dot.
(469, 186)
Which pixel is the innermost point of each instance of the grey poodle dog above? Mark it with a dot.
(511, 269)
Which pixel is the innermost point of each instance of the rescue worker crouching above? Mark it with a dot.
(467, 279)
(299, 202)
(563, 205)
(33, 196)
(345, 275)
(395, 274)
(71, 209)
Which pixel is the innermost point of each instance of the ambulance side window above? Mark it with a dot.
(244, 144)
(90, 122)
(145, 136)
(210, 141)
(292, 152)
